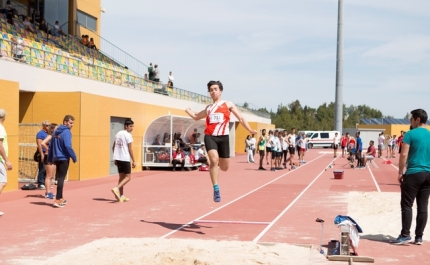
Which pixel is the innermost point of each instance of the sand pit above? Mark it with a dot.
(379, 215)
(182, 252)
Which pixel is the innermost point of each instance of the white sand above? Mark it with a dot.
(182, 252)
(379, 214)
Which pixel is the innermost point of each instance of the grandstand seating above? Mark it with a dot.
(66, 54)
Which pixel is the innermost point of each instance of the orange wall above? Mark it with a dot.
(53, 106)
(91, 132)
(241, 134)
(9, 101)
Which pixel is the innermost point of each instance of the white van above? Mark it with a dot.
(321, 138)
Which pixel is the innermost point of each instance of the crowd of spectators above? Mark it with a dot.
(88, 42)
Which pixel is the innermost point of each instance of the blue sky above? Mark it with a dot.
(271, 52)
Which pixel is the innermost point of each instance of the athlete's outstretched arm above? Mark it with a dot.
(239, 116)
(196, 116)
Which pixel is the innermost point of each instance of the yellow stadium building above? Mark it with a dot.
(56, 75)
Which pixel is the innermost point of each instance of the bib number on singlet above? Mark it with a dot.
(216, 118)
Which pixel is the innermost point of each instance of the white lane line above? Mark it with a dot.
(235, 200)
(286, 209)
(374, 180)
(229, 222)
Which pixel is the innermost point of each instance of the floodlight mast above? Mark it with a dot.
(338, 114)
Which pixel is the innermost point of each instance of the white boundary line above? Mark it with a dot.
(246, 194)
(374, 180)
(287, 208)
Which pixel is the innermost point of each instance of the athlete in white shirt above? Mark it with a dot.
(122, 153)
(381, 140)
(335, 144)
(291, 138)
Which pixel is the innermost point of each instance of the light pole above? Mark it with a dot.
(338, 114)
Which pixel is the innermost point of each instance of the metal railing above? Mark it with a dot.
(93, 69)
(113, 52)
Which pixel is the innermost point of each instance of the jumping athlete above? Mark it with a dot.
(216, 133)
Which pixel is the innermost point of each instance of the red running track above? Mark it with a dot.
(165, 204)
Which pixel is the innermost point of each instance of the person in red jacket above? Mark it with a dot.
(178, 157)
(400, 141)
(343, 143)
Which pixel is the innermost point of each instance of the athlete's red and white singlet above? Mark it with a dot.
(217, 119)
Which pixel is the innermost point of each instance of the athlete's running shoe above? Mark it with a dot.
(217, 196)
(123, 199)
(418, 240)
(58, 204)
(50, 196)
(115, 192)
(402, 240)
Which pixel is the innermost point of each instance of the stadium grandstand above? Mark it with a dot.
(48, 73)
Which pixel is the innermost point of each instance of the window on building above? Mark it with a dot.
(87, 21)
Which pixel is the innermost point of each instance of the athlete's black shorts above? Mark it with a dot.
(292, 150)
(220, 143)
(261, 152)
(123, 167)
(274, 154)
(268, 149)
(335, 146)
(278, 154)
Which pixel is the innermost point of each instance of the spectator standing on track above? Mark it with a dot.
(40, 136)
(358, 151)
(389, 146)
(343, 142)
(253, 142)
(284, 144)
(269, 139)
(49, 165)
(415, 182)
(5, 164)
(122, 154)
(393, 153)
(151, 72)
(262, 148)
(156, 73)
(248, 149)
(400, 141)
(292, 146)
(276, 148)
(335, 144)
(170, 80)
(381, 141)
(216, 140)
(62, 151)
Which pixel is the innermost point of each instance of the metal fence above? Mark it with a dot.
(93, 69)
(27, 167)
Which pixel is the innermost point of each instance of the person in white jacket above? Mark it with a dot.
(249, 149)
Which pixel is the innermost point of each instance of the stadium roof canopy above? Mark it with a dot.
(380, 121)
